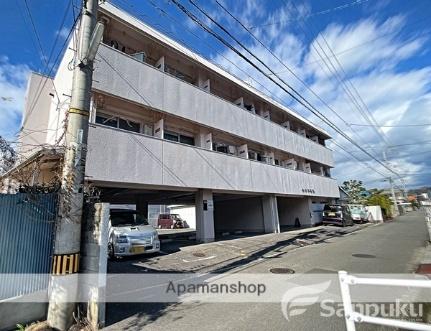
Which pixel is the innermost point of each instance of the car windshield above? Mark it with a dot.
(332, 208)
(124, 218)
(355, 209)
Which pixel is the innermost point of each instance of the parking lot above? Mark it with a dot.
(183, 254)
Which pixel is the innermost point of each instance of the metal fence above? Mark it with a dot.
(26, 240)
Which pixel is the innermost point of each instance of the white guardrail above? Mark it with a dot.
(352, 317)
(428, 219)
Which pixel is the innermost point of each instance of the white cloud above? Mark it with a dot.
(63, 33)
(392, 94)
(13, 83)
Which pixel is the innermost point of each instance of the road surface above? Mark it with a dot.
(393, 247)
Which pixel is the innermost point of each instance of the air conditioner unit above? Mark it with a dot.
(140, 56)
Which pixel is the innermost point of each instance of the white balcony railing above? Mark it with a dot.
(119, 156)
(121, 75)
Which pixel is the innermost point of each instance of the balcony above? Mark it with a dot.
(123, 76)
(120, 157)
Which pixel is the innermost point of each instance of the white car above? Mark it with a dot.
(130, 235)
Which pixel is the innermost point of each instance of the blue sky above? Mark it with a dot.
(382, 47)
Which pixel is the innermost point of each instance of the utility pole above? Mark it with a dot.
(391, 183)
(64, 280)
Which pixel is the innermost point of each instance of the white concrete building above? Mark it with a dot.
(169, 127)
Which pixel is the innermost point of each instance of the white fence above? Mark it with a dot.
(428, 219)
(352, 317)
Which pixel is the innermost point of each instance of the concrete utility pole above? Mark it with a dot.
(68, 227)
(391, 182)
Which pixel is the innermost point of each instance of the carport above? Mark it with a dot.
(216, 213)
(297, 211)
(235, 213)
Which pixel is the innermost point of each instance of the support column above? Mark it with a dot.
(94, 248)
(270, 214)
(141, 207)
(204, 216)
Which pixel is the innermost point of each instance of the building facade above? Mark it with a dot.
(169, 127)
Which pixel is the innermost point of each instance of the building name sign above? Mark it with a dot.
(308, 190)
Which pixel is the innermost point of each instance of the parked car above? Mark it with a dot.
(358, 213)
(337, 214)
(171, 221)
(130, 234)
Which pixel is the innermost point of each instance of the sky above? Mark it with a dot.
(359, 62)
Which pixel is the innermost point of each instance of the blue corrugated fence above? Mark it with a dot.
(26, 240)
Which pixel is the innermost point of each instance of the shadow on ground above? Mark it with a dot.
(146, 313)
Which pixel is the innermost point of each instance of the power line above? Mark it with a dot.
(287, 68)
(322, 12)
(39, 43)
(40, 87)
(177, 22)
(357, 159)
(293, 93)
(411, 144)
(337, 75)
(52, 68)
(392, 126)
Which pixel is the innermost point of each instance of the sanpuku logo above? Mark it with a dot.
(296, 300)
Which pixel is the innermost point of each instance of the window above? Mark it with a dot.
(129, 125)
(116, 122)
(187, 140)
(107, 120)
(172, 136)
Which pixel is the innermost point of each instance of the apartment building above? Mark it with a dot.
(169, 127)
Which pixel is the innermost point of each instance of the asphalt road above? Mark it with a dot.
(394, 247)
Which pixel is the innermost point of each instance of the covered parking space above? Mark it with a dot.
(299, 211)
(238, 213)
(150, 203)
(215, 212)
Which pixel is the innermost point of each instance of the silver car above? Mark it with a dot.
(130, 234)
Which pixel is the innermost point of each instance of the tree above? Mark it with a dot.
(382, 200)
(7, 156)
(355, 190)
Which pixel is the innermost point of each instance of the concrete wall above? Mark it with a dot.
(13, 312)
(239, 214)
(291, 208)
(61, 101)
(36, 113)
(144, 84)
(118, 156)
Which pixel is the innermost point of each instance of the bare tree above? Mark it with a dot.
(8, 156)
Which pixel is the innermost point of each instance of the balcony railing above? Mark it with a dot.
(118, 156)
(123, 76)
